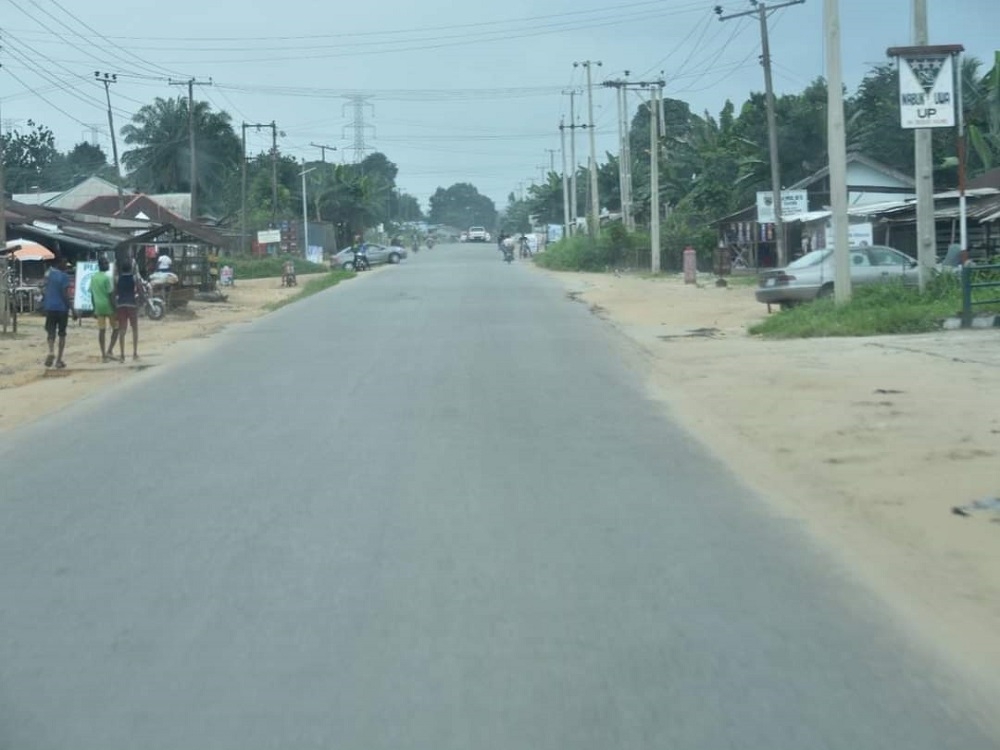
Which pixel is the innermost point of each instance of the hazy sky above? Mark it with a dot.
(459, 91)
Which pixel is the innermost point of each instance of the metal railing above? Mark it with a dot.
(969, 272)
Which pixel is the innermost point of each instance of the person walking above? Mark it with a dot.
(56, 303)
(127, 308)
(103, 297)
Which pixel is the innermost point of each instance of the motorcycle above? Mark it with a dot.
(430, 243)
(361, 261)
(153, 306)
(508, 255)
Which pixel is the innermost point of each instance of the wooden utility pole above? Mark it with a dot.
(762, 11)
(274, 174)
(322, 150)
(190, 83)
(107, 79)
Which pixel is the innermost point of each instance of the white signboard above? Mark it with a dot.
(269, 236)
(81, 294)
(927, 91)
(792, 202)
(858, 235)
(314, 254)
(555, 232)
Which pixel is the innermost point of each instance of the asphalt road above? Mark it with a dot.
(430, 509)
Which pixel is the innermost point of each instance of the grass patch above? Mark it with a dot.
(312, 286)
(873, 310)
(267, 268)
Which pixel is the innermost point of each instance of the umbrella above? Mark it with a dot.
(28, 250)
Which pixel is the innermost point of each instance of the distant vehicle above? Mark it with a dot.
(811, 276)
(478, 234)
(463, 237)
(377, 254)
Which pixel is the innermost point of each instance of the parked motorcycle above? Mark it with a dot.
(152, 306)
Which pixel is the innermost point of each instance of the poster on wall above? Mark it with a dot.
(555, 232)
(314, 254)
(858, 235)
(81, 294)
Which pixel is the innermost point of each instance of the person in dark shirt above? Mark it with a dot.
(56, 303)
(127, 308)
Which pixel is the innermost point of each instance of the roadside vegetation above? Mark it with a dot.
(873, 310)
(617, 249)
(269, 267)
(313, 286)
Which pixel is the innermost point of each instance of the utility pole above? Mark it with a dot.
(305, 213)
(574, 210)
(322, 150)
(274, 175)
(190, 83)
(107, 79)
(565, 179)
(595, 200)
(654, 178)
(274, 172)
(552, 158)
(837, 148)
(7, 267)
(924, 169)
(624, 149)
(762, 11)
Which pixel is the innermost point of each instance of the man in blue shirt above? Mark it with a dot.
(56, 302)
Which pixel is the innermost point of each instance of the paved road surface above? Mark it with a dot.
(430, 509)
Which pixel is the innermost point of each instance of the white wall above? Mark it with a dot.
(862, 174)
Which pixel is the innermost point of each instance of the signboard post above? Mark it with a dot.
(792, 202)
(930, 96)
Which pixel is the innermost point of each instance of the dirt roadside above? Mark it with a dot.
(29, 391)
(868, 442)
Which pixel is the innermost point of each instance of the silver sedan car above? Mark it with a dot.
(811, 276)
(377, 254)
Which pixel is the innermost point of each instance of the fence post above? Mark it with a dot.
(966, 295)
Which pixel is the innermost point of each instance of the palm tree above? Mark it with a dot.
(982, 105)
(161, 158)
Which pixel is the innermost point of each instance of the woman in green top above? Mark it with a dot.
(101, 287)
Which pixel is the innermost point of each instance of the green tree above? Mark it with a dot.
(160, 160)
(461, 206)
(28, 157)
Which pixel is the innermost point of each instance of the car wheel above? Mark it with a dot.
(348, 266)
(394, 258)
(825, 291)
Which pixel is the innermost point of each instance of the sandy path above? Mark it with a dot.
(869, 442)
(28, 390)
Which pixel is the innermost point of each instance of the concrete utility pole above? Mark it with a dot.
(654, 178)
(7, 268)
(762, 11)
(924, 170)
(594, 225)
(624, 148)
(552, 158)
(274, 172)
(190, 83)
(107, 79)
(837, 148)
(574, 210)
(322, 150)
(305, 213)
(565, 178)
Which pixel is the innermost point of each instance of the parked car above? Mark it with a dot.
(377, 254)
(811, 276)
